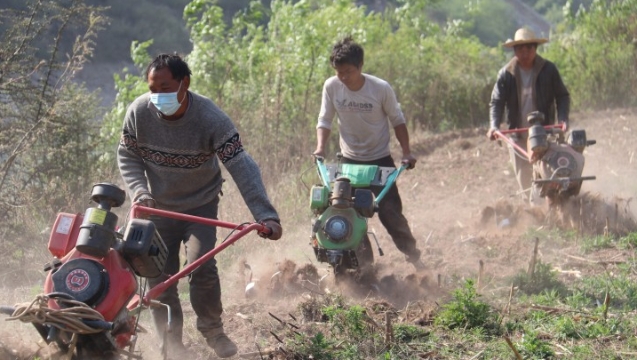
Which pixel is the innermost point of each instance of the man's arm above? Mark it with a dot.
(562, 98)
(325, 118)
(322, 134)
(402, 134)
(246, 174)
(496, 105)
(131, 165)
(226, 143)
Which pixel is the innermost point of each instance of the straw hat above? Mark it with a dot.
(524, 36)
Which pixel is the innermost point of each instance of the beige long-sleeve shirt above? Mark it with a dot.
(364, 116)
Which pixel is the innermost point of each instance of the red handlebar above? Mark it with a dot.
(501, 134)
(138, 209)
(523, 130)
(243, 229)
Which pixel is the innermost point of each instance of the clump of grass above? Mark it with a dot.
(407, 333)
(312, 309)
(347, 321)
(628, 242)
(337, 330)
(467, 311)
(542, 279)
(317, 346)
(347, 332)
(532, 346)
(598, 242)
(619, 285)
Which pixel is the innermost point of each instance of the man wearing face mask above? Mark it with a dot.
(169, 153)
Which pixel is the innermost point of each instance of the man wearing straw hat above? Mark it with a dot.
(526, 84)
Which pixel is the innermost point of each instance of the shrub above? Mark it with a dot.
(466, 311)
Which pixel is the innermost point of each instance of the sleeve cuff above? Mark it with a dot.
(278, 221)
(141, 193)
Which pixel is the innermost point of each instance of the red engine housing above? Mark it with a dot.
(118, 281)
(64, 234)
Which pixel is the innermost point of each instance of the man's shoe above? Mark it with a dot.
(415, 261)
(222, 345)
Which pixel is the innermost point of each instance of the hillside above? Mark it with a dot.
(460, 176)
(113, 43)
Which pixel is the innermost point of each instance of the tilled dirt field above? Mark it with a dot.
(455, 200)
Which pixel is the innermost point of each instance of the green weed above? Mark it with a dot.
(542, 279)
(408, 333)
(466, 311)
(597, 242)
(533, 347)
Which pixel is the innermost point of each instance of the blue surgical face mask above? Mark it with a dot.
(166, 103)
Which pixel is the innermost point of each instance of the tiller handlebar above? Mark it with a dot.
(243, 229)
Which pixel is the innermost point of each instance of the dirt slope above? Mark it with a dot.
(458, 176)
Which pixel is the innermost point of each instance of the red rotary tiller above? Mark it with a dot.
(92, 293)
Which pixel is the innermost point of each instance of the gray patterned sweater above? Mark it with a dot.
(177, 161)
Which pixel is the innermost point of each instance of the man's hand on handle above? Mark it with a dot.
(491, 133)
(276, 231)
(409, 160)
(147, 201)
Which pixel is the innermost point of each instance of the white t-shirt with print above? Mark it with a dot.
(364, 116)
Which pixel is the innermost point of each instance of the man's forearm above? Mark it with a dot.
(322, 134)
(402, 134)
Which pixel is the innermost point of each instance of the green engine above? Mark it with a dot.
(341, 206)
(341, 221)
(339, 229)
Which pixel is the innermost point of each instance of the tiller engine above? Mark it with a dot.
(339, 227)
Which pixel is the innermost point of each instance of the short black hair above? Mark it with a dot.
(346, 51)
(177, 66)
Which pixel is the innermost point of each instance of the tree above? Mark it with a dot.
(595, 50)
(47, 122)
(267, 69)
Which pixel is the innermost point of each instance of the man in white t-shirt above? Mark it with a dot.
(366, 107)
(526, 84)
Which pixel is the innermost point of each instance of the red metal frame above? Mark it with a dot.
(243, 229)
(501, 134)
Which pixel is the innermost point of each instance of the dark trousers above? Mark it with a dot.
(390, 211)
(205, 289)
